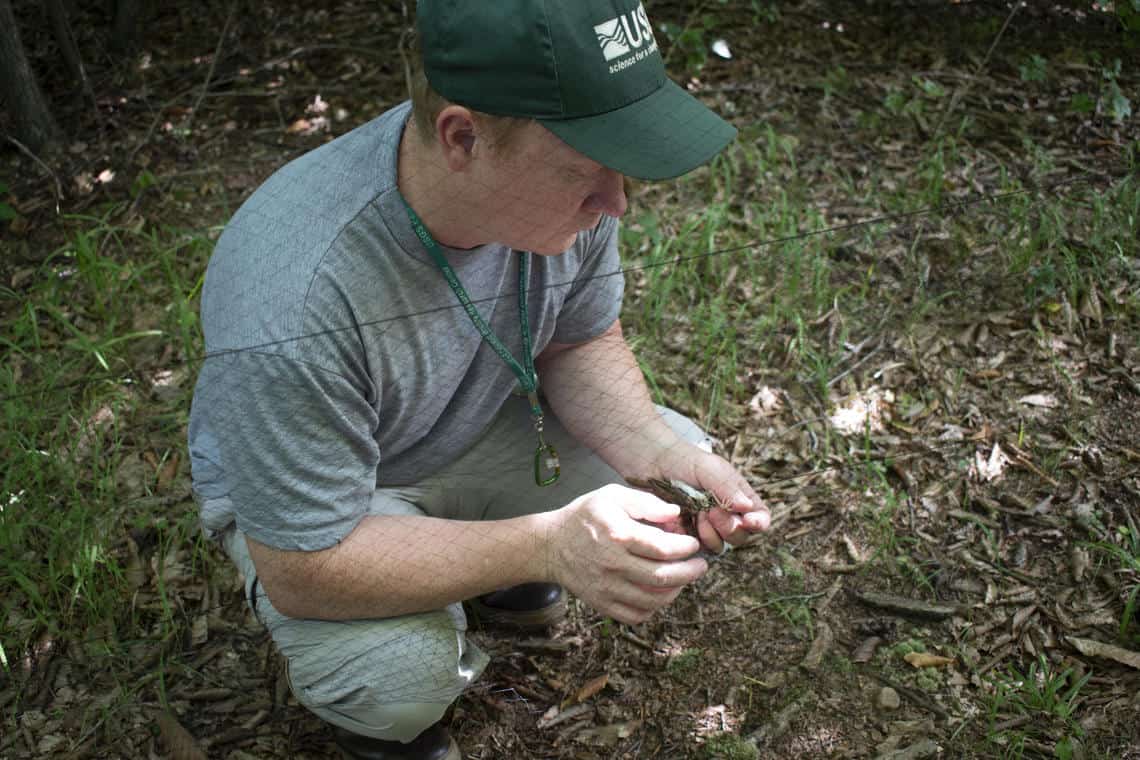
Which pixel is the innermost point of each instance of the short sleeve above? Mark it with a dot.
(287, 446)
(594, 301)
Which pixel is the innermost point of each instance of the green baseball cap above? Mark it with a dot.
(587, 70)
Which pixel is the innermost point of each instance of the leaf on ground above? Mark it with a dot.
(866, 649)
(1080, 560)
(100, 421)
(607, 736)
(765, 402)
(907, 606)
(177, 739)
(135, 572)
(1093, 648)
(924, 748)
(592, 687)
(819, 647)
(199, 630)
(927, 660)
(307, 127)
(84, 183)
(1022, 616)
(852, 549)
(168, 470)
(1089, 306)
(864, 413)
(989, 469)
(553, 716)
(1045, 400)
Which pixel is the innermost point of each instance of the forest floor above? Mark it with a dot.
(906, 302)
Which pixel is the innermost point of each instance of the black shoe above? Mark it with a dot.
(434, 743)
(527, 607)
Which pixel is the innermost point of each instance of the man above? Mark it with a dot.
(417, 390)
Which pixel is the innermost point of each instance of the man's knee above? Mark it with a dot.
(400, 722)
(389, 679)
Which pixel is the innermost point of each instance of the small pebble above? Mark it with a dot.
(887, 699)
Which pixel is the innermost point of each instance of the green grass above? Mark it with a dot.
(117, 303)
(685, 664)
(81, 346)
(1048, 697)
(715, 332)
(727, 746)
(749, 225)
(764, 311)
(1122, 555)
(788, 597)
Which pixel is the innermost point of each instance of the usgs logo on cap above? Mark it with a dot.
(626, 34)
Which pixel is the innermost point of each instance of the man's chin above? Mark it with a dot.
(555, 246)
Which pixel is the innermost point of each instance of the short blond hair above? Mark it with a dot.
(427, 104)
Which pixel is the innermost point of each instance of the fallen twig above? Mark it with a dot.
(907, 606)
(819, 648)
(569, 713)
(635, 640)
(1017, 722)
(213, 66)
(778, 725)
(961, 91)
(855, 366)
(27, 152)
(1093, 648)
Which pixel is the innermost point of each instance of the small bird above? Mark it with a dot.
(692, 501)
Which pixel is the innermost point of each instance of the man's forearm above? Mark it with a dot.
(397, 565)
(600, 396)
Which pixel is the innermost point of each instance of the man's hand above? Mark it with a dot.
(622, 567)
(744, 513)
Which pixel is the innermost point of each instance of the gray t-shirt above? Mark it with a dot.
(339, 359)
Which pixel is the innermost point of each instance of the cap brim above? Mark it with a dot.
(661, 136)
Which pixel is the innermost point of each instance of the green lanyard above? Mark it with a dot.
(528, 377)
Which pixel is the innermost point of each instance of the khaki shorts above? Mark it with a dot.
(391, 678)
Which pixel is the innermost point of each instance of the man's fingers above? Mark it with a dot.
(758, 521)
(666, 574)
(650, 598)
(728, 525)
(651, 542)
(623, 613)
(740, 497)
(635, 603)
(737, 526)
(723, 481)
(642, 505)
(710, 536)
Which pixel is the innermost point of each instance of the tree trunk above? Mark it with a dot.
(125, 25)
(32, 121)
(66, 41)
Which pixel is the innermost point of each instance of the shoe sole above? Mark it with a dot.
(453, 753)
(529, 620)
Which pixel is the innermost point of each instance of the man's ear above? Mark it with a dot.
(455, 132)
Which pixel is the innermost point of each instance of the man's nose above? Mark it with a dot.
(609, 198)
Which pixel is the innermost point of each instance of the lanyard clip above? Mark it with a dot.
(546, 452)
(545, 456)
